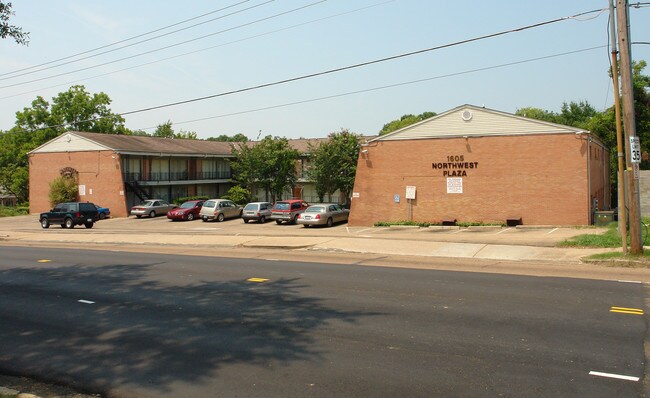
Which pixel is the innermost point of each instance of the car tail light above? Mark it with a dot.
(298, 216)
(78, 214)
(317, 216)
(258, 214)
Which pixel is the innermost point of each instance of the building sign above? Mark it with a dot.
(355, 194)
(82, 190)
(454, 185)
(455, 166)
(410, 192)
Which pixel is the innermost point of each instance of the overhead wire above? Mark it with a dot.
(128, 39)
(384, 86)
(335, 70)
(167, 47)
(203, 49)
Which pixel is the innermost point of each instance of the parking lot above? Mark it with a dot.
(526, 235)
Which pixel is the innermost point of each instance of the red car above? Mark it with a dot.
(187, 211)
(288, 210)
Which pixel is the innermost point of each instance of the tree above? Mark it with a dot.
(333, 164)
(165, 130)
(63, 189)
(405, 120)
(41, 122)
(269, 164)
(239, 137)
(7, 30)
(238, 195)
(538, 114)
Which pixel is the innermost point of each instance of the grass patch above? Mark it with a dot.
(609, 238)
(411, 223)
(13, 211)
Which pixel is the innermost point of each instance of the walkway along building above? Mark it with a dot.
(118, 171)
(472, 164)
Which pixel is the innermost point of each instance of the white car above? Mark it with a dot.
(257, 211)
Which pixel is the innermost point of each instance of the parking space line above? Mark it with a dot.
(551, 231)
(614, 376)
(624, 281)
(503, 230)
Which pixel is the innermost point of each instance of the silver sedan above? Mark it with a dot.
(323, 214)
(152, 208)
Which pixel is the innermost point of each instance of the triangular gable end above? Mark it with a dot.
(468, 120)
(70, 142)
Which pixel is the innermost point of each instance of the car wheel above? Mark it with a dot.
(68, 223)
(152, 213)
(220, 217)
(292, 221)
(245, 220)
(278, 222)
(45, 223)
(190, 217)
(262, 219)
(138, 216)
(89, 225)
(102, 216)
(305, 225)
(330, 222)
(204, 219)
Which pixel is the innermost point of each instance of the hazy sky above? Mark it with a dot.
(256, 42)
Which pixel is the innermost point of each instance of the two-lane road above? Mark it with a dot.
(161, 325)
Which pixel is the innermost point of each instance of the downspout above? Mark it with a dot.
(590, 214)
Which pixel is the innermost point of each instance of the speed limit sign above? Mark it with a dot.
(635, 150)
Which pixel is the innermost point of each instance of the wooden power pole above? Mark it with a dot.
(622, 213)
(629, 124)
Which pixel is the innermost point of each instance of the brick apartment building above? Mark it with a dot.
(472, 164)
(118, 171)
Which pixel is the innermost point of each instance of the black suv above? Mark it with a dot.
(70, 214)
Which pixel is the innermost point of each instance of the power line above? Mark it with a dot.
(136, 43)
(203, 49)
(169, 46)
(386, 86)
(125, 40)
(330, 71)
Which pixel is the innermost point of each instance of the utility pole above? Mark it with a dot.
(636, 246)
(622, 213)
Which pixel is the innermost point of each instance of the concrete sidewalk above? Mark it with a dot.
(358, 244)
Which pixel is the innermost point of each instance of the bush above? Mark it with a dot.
(179, 201)
(239, 195)
(13, 211)
(63, 189)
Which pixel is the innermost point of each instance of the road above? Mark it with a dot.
(132, 324)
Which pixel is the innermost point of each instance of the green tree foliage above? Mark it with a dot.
(405, 120)
(42, 122)
(63, 189)
(333, 164)
(238, 195)
(239, 137)
(269, 164)
(7, 30)
(575, 114)
(165, 130)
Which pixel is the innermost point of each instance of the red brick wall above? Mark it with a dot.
(540, 178)
(99, 171)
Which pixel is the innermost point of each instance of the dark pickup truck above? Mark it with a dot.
(70, 214)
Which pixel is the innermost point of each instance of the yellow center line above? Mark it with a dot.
(624, 310)
(258, 280)
(43, 261)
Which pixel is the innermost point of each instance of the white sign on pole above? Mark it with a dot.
(635, 171)
(410, 192)
(635, 150)
(454, 185)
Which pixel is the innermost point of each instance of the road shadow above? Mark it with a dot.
(141, 331)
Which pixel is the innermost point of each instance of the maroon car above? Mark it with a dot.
(187, 211)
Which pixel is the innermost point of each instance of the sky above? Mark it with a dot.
(226, 47)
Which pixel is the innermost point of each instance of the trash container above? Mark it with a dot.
(603, 217)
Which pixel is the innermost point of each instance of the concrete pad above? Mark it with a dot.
(287, 242)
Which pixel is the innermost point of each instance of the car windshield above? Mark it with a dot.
(250, 206)
(147, 203)
(315, 209)
(188, 205)
(281, 206)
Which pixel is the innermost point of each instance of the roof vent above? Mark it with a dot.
(467, 115)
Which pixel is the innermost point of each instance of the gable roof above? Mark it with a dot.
(468, 120)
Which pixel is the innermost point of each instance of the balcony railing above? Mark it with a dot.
(178, 176)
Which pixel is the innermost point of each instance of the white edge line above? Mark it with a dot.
(503, 230)
(614, 376)
(624, 281)
(551, 231)
(86, 302)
